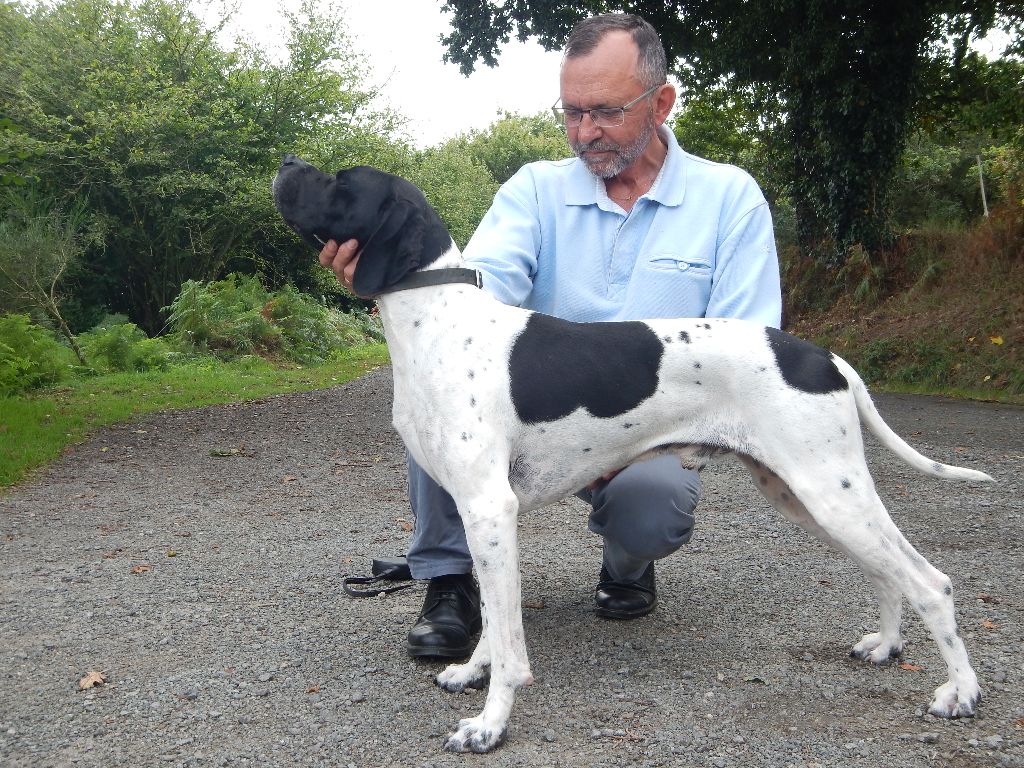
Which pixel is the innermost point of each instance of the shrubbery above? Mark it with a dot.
(225, 320)
(238, 316)
(30, 356)
(117, 345)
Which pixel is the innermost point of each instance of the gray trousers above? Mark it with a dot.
(644, 513)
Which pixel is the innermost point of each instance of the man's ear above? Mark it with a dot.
(392, 251)
(664, 100)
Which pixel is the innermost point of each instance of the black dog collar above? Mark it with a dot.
(436, 277)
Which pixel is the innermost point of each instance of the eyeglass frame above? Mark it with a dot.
(559, 112)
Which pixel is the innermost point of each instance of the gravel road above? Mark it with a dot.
(195, 558)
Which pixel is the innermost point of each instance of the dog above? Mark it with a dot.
(511, 410)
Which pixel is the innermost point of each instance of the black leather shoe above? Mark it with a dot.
(449, 619)
(626, 600)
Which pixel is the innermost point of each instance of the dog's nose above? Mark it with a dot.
(289, 159)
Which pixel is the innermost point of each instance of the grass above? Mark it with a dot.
(36, 428)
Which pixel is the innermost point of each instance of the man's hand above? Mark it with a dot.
(342, 260)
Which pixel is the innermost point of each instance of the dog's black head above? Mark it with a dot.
(397, 230)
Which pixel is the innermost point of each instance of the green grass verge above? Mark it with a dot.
(36, 428)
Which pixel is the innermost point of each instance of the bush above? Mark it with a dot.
(238, 316)
(311, 332)
(30, 356)
(1006, 164)
(116, 345)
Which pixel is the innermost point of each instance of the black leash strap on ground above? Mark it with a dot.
(383, 569)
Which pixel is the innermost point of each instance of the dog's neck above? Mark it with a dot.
(452, 258)
(436, 274)
(410, 324)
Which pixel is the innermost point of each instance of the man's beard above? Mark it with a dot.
(624, 156)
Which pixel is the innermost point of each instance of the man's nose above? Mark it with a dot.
(588, 130)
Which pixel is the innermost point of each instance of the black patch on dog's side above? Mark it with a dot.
(805, 366)
(557, 366)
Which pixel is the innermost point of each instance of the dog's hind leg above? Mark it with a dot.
(474, 673)
(853, 518)
(490, 523)
(876, 647)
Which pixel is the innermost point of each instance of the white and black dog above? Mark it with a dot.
(512, 410)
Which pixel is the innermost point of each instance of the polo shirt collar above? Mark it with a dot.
(585, 188)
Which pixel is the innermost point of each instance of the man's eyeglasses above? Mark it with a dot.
(602, 117)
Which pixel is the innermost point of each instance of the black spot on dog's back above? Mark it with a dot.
(557, 366)
(805, 366)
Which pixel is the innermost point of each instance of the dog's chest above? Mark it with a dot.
(450, 363)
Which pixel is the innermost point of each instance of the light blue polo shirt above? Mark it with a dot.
(698, 244)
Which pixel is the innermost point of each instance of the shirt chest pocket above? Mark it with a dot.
(670, 285)
(669, 262)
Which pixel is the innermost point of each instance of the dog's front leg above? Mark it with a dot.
(490, 523)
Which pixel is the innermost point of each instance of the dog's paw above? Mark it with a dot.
(474, 735)
(876, 649)
(457, 677)
(955, 700)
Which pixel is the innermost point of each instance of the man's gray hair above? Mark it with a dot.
(652, 68)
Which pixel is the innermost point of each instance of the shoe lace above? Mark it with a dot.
(443, 590)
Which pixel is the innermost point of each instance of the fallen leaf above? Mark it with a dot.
(143, 568)
(534, 604)
(313, 689)
(171, 553)
(997, 340)
(224, 452)
(911, 667)
(1019, 723)
(989, 624)
(91, 680)
(404, 524)
(289, 479)
(987, 598)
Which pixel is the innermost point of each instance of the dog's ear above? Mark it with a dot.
(392, 251)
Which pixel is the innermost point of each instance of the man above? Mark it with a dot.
(632, 227)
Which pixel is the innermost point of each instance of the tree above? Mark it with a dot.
(511, 141)
(170, 141)
(844, 74)
(39, 242)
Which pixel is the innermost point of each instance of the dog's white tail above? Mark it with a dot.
(870, 417)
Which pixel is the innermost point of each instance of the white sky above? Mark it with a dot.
(400, 43)
(399, 40)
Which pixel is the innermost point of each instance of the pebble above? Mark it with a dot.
(380, 709)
